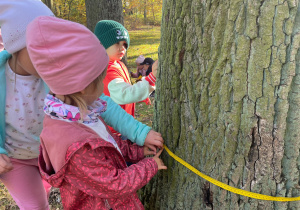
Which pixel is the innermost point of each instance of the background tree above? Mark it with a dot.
(103, 10)
(73, 10)
(140, 12)
(49, 3)
(97, 10)
(128, 12)
(228, 102)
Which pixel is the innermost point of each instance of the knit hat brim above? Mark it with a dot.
(110, 32)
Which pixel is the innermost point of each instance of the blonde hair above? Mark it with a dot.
(77, 99)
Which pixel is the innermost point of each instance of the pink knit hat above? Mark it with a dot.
(66, 55)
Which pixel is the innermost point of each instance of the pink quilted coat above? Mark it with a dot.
(90, 172)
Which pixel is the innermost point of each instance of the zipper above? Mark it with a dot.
(107, 205)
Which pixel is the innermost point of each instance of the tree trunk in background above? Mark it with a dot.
(49, 3)
(145, 11)
(97, 10)
(228, 103)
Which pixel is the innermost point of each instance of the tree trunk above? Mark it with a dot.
(49, 3)
(70, 6)
(153, 12)
(97, 10)
(145, 11)
(228, 103)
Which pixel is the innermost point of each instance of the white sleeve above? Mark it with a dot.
(124, 93)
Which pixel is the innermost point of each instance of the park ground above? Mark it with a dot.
(143, 41)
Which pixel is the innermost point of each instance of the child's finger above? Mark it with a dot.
(159, 138)
(152, 148)
(158, 134)
(164, 167)
(159, 152)
(158, 143)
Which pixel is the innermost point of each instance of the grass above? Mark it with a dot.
(6, 201)
(143, 41)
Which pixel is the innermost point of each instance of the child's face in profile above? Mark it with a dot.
(117, 51)
(25, 63)
(93, 92)
(146, 66)
(139, 66)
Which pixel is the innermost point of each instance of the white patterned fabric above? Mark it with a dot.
(23, 114)
(57, 109)
(100, 129)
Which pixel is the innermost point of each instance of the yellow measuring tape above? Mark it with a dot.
(227, 187)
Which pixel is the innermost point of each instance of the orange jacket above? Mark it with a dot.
(118, 70)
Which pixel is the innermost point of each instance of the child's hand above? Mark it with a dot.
(153, 140)
(147, 151)
(5, 164)
(159, 161)
(154, 68)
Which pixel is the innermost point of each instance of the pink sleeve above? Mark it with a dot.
(94, 172)
(131, 152)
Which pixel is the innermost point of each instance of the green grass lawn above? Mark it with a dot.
(143, 41)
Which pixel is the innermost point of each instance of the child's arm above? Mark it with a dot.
(124, 93)
(135, 75)
(133, 153)
(123, 122)
(94, 172)
(4, 56)
(5, 164)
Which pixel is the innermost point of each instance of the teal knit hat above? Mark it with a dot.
(110, 32)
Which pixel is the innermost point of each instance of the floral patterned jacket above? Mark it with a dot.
(90, 172)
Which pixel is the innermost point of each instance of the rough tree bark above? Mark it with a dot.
(228, 102)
